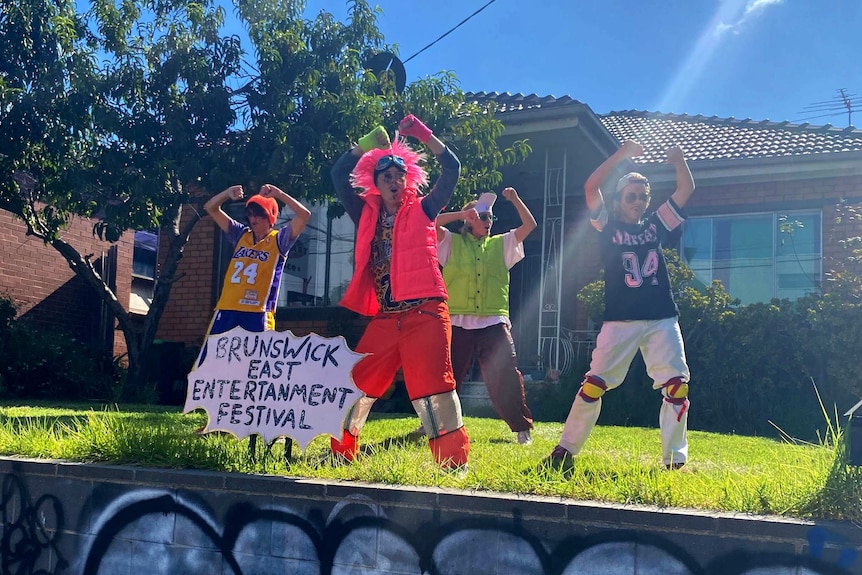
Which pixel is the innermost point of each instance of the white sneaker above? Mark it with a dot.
(458, 471)
(524, 437)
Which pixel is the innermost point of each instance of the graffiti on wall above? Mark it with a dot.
(29, 530)
(133, 530)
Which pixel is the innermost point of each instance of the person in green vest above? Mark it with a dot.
(476, 268)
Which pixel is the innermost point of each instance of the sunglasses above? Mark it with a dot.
(632, 197)
(387, 162)
(488, 217)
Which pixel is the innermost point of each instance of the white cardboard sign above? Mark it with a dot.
(274, 383)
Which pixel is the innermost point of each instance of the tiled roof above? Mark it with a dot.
(701, 137)
(515, 102)
(716, 138)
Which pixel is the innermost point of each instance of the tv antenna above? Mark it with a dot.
(841, 103)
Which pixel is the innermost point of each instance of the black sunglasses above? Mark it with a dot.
(386, 162)
(488, 217)
(632, 197)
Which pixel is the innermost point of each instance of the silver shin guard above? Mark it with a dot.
(440, 414)
(355, 420)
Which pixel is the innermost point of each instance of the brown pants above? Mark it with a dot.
(494, 349)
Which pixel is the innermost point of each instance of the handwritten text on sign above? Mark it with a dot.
(274, 383)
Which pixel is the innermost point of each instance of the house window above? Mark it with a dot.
(324, 242)
(144, 258)
(757, 257)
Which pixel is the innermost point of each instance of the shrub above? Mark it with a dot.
(36, 364)
(753, 366)
(551, 401)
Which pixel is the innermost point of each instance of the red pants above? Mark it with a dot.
(417, 341)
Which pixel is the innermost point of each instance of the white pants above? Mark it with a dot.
(660, 343)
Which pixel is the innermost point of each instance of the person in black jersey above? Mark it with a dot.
(640, 312)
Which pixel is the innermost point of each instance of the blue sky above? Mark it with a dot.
(758, 59)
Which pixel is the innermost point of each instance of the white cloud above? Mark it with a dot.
(733, 14)
(754, 6)
(728, 17)
(721, 28)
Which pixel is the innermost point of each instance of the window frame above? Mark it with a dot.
(816, 256)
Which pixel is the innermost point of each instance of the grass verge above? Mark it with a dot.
(619, 464)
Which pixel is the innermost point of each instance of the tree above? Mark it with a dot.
(46, 80)
(110, 114)
(312, 96)
(113, 141)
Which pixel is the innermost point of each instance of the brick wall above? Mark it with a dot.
(778, 193)
(799, 194)
(190, 306)
(328, 322)
(47, 291)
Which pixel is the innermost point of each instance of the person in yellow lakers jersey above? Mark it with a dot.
(250, 291)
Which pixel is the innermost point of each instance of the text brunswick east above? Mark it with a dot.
(240, 348)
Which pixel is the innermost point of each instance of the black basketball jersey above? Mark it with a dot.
(637, 285)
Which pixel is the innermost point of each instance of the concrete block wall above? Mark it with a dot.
(96, 519)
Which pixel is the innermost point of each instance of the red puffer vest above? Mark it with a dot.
(414, 271)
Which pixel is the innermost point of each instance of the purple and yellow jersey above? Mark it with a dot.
(254, 273)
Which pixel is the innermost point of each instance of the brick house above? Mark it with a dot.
(751, 178)
(48, 293)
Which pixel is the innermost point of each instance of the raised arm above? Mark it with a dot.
(412, 126)
(214, 204)
(629, 149)
(301, 213)
(436, 145)
(470, 215)
(684, 179)
(340, 173)
(528, 222)
(443, 188)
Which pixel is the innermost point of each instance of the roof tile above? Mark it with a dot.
(702, 138)
(713, 138)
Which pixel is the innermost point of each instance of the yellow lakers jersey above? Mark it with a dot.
(253, 274)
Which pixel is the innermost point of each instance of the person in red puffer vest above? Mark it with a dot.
(397, 281)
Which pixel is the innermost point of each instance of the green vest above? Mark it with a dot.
(476, 275)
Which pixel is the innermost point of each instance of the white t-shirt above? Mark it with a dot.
(513, 252)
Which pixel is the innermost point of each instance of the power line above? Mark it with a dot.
(450, 31)
(838, 105)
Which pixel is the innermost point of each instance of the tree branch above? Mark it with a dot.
(84, 269)
(178, 238)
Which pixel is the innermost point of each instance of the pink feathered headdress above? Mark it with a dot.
(362, 176)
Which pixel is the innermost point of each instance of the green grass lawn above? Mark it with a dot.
(619, 464)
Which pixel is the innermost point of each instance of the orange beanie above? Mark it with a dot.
(269, 206)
